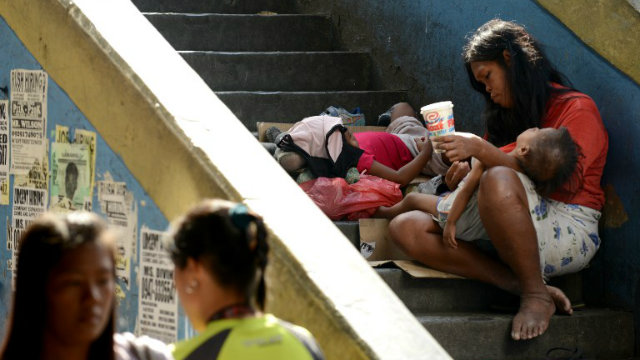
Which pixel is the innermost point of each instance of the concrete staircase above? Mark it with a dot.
(275, 66)
(278, 66)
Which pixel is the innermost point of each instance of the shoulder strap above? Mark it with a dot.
(318, 166)
(349, 155)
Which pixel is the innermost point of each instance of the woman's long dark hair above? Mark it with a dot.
(529, 77)
(42, 246)
(230, 240)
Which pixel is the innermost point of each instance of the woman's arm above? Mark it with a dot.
(408, 172)
(462, 146)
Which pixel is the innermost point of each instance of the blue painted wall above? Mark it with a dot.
(62, 111)
(417, 45)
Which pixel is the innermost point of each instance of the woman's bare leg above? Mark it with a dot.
(417, 234)
(504, 211)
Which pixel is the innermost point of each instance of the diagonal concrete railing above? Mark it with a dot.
(610, 27)
(183, 144)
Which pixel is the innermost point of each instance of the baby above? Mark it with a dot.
(547, 156)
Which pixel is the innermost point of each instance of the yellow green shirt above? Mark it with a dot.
(262, 337)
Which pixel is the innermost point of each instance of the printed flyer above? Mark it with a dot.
(158, 302)
(28, 119)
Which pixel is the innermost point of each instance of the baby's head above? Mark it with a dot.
(547, 156)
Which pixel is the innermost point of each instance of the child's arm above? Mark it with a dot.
(405, 174)
(464, 194)
(413, 201)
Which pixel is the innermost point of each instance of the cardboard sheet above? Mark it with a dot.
(375, 243)
(380, 251)
(414, 268)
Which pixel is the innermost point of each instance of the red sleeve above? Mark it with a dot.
(365, 162)
(508, 148)
(580, 116)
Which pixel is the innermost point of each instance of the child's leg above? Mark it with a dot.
(413, 201)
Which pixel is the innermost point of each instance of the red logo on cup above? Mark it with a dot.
(432, 116)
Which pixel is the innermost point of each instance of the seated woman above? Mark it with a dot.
(220, 253)
(536, 237)
(63, 306)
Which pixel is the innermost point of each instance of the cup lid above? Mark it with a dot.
(438, 105)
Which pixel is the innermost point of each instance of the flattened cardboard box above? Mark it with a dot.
(380, 251)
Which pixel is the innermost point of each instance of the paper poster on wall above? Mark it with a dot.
(157, 302)
(28, 204)
(4, 152)
(88, 138)
(28, 119)
(38, 175)
(70, 176)
(62, 134)
(117, 204)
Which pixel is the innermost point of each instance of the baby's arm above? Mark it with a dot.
(405, 174)
(413, 201)
(464, 194)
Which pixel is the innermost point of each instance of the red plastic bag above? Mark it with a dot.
(338, 199)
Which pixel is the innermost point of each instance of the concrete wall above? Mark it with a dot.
(109, 166)
(416, 45)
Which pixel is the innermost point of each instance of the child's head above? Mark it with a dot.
(547, 156)
(64, 294)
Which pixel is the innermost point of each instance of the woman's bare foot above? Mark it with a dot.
(562, 302)
(533, 317)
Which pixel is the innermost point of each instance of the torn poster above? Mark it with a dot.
(117, 204)
(4, 152)
(70, 176)
(28, 119)
(88, 138)
(28, 204)
(62, 134)
(157, 303)
(38, 175)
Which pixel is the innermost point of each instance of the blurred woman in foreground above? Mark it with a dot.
(220, 253)
(63, 306)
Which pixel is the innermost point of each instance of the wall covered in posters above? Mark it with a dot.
(52, 159)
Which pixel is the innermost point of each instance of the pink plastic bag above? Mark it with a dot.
(338, 199)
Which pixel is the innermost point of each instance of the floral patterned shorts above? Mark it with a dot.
(567, 233)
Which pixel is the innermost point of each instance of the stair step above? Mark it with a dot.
(239, 32)
(444, 295)
(281, 71)
(215, 6)
(251, 107)
(599, 333)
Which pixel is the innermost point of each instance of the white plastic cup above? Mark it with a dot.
(439, 119)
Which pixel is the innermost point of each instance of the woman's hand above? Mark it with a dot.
(455, 174)
(458, 147)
